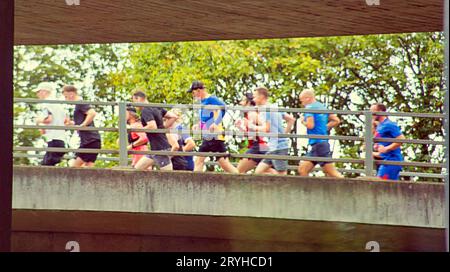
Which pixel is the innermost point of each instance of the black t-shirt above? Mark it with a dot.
(79, 116)
(158, 141)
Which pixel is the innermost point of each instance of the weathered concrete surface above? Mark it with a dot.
(44, 230)
(321, 199)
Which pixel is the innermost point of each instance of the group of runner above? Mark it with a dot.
(266, 119)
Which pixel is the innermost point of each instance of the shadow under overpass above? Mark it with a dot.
(50, 230)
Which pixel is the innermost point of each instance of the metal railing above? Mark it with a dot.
(368, 161)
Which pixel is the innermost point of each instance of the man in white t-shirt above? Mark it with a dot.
(52, 115)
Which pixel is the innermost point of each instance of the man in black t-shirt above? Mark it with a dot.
(84, 117)
(153, 118)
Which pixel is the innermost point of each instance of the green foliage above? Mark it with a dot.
(404, 71)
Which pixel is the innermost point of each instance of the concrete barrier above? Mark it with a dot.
(217, 194)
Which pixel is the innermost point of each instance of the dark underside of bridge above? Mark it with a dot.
(43, 230)
(99, 21)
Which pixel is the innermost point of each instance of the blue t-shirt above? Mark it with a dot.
(389, 129)
(209, 116)
(182, 142)
(320, 122)
(275, 120)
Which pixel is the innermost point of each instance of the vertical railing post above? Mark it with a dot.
(123, 135)
(368, 141)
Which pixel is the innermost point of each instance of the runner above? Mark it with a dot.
(387, 151)
(317, 124)
(211, 121)
(272, 122)
(181, 141)
(137, 141)
(53, 115)
(256, 144)
(153, 118)
(83, 116)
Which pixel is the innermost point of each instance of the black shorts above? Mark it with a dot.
(179, 163)
(255, 149)
(53, 158)
(320, 149)
(89, 157)
(215, 146)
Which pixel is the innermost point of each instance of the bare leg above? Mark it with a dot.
(262, 168)
(144, 164)
(272, 171)
(199, 163)
(227, 166)
(77, 162)
(246, 165)
(168, 167)
(331, 171)
(304, 168)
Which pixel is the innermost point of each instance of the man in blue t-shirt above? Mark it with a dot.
(317, 124)
(211, 123)
(387, 151)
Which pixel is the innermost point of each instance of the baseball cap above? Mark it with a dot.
(45, 86)
(196, 85)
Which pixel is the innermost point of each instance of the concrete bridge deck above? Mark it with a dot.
(123, 210)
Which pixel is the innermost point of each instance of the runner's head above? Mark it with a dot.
(139, 97)
(247, 100)
(198, 90)
(260, 96)
(307, 97)
(70, 92)
(44, 90)
(132, 116)
(378, 107)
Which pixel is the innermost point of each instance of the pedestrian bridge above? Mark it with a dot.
(126, 210)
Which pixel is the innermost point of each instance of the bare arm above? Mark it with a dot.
(68, 122)
(48, 119)
(90, 114)
(333, 121)
(265, 127)
(393, 146)
(290, 119)
(169, 119)
(173, 142)
(189, 145)
(151, 125)
(44, 120)
(376, 155)
(142, 140)
(309, 122)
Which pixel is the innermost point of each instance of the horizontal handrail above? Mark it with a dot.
(290, 167)
(67, 128)
(235, 133)
(248, 156)
(239, 108)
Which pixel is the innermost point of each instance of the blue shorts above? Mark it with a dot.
(320, 149)
(391, 172)
(279, 165)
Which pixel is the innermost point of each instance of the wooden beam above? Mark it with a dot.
(6, 123)
(99, 21)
